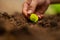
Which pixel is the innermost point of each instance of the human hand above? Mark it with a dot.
(35, 6)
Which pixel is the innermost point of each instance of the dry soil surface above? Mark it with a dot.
(17, 27)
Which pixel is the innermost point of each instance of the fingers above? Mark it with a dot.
(25, 7)
(42, 8)
(29, 7)
(32, 6)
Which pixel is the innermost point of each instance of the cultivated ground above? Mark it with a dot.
(17, 27)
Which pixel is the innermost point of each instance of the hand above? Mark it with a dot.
(35, 6)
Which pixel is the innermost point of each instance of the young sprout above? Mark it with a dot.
(33, 17)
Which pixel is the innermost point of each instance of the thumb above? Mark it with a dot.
(32, 6)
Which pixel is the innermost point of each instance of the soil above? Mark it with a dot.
(17, 27)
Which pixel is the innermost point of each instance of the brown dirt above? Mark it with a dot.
(17, 27)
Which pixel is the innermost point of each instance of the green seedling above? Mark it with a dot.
(33, 17)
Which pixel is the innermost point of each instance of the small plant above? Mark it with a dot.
(33, 17)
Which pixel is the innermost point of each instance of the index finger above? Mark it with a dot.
(26, 6)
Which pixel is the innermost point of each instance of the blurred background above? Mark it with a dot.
(53, 9)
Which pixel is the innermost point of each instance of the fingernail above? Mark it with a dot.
(30, 11)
